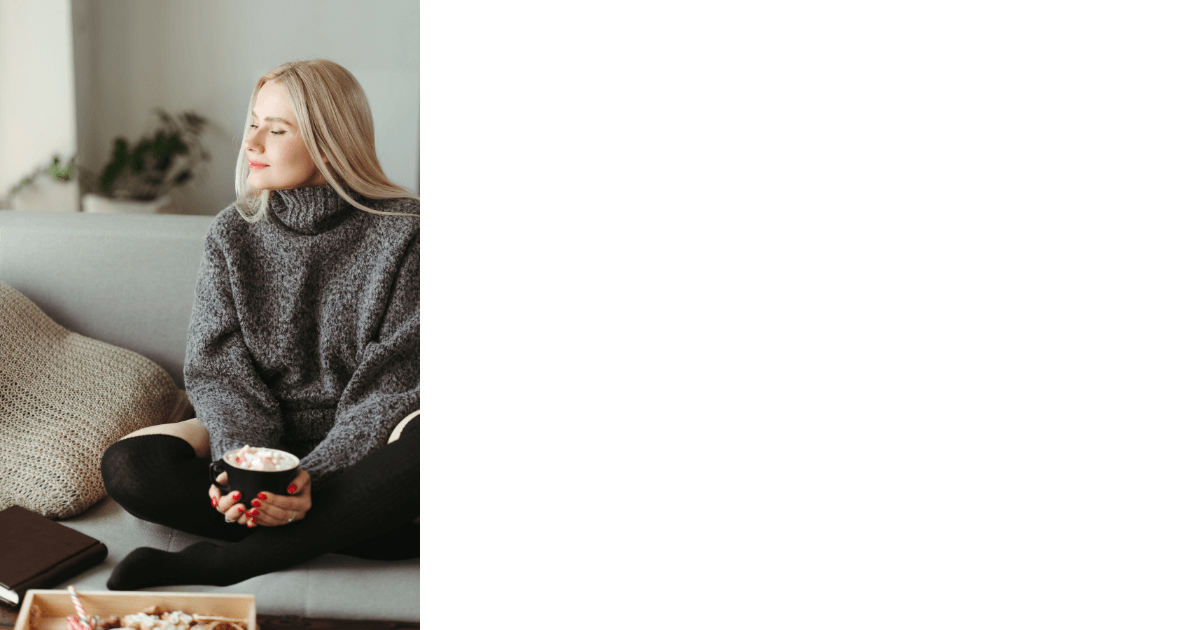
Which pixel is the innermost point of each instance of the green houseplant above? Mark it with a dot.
(56, 170)
(42, 189)
(143, 173)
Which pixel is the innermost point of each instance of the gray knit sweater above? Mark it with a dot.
(305, 334)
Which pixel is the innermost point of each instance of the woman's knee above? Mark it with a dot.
(143, 458)
(119, 468)
(145, 474)
(385, 470)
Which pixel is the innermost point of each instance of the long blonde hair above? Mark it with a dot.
(335, 122)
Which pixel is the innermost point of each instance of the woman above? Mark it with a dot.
(305, 336)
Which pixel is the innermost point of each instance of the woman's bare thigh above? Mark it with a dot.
(190, 430)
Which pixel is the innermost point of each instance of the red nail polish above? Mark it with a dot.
(214, 502)
(256, 503)
(253, 512)
(292, 489)
(262, 496)
(236, 495)
(241, 509)
(253, 521)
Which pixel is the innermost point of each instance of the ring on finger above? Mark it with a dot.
(293, 516)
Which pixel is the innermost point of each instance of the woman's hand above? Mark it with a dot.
(266, 509)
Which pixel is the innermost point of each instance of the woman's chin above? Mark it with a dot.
(258, 182)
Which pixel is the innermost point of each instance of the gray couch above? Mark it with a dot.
(129, 280)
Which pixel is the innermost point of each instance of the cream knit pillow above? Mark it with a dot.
(64, 398)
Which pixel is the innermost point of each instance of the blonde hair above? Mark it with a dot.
(335, 123)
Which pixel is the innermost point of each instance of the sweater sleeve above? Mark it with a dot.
(230, 398)
(386, 385)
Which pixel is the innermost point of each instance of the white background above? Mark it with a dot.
(811, 315)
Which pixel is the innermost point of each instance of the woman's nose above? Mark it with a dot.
(251, 142)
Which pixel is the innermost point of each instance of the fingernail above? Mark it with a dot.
(241, 509)
(256, 503)
(292, 489)
(253, 512)
(262, 496)
(253, 522)
(214, 502)
(236, 495)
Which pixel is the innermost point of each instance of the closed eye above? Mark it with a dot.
(277, 133)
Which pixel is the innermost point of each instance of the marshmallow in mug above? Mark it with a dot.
(266, 459)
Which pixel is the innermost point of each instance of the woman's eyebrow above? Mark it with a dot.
(274, 119)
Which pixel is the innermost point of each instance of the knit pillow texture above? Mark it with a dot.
(64, 398)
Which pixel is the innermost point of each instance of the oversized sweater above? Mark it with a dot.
(305, 334)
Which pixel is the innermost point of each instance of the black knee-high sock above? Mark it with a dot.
(362, 503)
(159, 478)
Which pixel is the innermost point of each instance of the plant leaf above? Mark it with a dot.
(120, 159)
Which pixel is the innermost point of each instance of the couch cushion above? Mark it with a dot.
(64, 398)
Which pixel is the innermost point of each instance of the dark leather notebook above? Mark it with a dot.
(36, 552)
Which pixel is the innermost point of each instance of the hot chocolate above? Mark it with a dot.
(267, 459)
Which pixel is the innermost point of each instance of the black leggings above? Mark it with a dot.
(159, 478)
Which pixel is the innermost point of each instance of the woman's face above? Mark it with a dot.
(278, 157)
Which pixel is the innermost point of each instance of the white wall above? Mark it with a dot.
(134, 55)
(37, 93)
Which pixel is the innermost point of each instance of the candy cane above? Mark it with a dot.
(78, 609)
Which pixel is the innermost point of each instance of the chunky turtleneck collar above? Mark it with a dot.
(309, 210)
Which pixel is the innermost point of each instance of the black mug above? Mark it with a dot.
(251, 482)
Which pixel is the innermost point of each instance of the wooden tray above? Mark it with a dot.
(56, 606)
